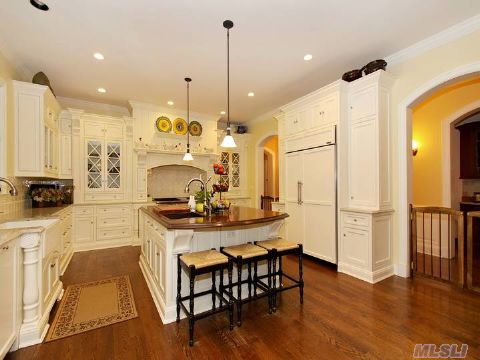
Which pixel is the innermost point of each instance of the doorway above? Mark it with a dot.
(267, 180)
(405, 157)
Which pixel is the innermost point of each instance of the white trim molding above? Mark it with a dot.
(3, 131)
(443, 37)
(405, 155)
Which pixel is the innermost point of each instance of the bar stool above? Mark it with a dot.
(279, 248)
(199, 263)
(246, 254)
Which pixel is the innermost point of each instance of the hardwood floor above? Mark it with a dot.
(342, 318)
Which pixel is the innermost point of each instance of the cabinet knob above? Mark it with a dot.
(158, 254)
(355, 220)
(351, 107)
(6, 248)
(52, 265)
(344, 235)
(351, 197)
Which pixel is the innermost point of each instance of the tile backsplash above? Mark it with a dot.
(170, 180)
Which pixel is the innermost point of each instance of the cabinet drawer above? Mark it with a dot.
(104, 197)
(112, 221)
(84, 210)
(93, 129)
(113, 209)
(109, 234)
(356, 220)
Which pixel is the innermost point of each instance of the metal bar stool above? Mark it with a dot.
(279, 248)
(198, 263)
(248, 254)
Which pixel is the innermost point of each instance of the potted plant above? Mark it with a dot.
(200, 200)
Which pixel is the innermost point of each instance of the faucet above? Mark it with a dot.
(203, 187)
(13, 189)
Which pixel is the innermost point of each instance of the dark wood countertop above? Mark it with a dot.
(237, 216)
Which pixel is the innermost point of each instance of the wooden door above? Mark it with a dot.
(294, 178)
(319, 202)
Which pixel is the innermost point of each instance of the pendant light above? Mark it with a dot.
(228, 141)
(188, 156)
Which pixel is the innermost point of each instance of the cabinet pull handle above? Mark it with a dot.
(299, 193)
(158, 254)
(6, 248)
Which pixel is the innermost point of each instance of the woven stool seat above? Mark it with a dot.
(246, 251)
(203, 259)
(277, 244)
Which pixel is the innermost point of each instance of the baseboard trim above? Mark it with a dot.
(369, 276)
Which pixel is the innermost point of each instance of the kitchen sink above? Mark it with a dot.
(26, 224)
(181, 215)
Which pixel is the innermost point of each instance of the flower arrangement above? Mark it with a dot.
(47, 195)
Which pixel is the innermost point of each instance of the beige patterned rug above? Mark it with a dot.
(93, 305)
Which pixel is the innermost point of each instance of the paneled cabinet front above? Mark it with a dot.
(8, 306)
(36, 145)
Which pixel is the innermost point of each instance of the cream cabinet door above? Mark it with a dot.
(114, 131)
(294, 179)
(94, 129)
(363, 103)
(363, 170)
(355, 247)
(326, 112)
(84, 229)
(65, 156)
(319, 203)
(8, 311)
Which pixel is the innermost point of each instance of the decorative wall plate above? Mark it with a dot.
(163, 124)
(195, 128)
(180, 126)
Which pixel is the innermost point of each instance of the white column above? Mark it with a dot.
(30, 243)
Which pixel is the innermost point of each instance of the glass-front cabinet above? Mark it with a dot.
(104, 165)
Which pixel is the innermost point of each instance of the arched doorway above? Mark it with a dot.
(266, 166)
(405, 154)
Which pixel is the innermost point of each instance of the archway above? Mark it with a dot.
(262, 147)
(405, 154)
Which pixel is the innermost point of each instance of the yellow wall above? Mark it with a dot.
(7, 74)
(427, 130)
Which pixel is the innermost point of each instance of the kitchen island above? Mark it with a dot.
(167, 232)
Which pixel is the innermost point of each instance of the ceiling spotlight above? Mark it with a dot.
(251, 94)
(101, 90)
(308, 57)
(222, 112)
(170, 102)
(98, 56)
(39, 5)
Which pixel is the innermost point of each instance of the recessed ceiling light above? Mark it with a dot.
(101, 90)
(222, 113)
(251, 94)
(308, 57)
(98, 56)
(39, 5)
(170, 102)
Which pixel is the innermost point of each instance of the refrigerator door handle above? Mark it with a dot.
(300, 193)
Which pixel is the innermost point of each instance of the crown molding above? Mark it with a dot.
(139, 105)
(93, 107)
(443, 37)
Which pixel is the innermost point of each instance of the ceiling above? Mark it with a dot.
(151, 45)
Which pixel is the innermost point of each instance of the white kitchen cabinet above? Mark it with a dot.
(369, 169)
(102, 226)
(66, 250)
(36, 144)
(365, 244)
(65, 146)
(311, 201)
(8, 303)
(326, 111)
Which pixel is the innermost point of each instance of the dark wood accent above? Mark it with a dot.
(470, 150)
(266, 202)
(341, 318)
(237, 216)
(473, 251)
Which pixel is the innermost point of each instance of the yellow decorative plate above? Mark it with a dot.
(195, 128)
(163, 124)
(180, 126)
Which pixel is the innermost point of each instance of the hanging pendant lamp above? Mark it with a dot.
(228, 141)
(188, 156)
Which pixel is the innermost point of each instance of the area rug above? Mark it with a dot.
(92, 305)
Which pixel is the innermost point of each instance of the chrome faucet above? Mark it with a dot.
(13, 189)
(203, 187)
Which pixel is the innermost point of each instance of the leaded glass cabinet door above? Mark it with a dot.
(114, 166)
(94, 173)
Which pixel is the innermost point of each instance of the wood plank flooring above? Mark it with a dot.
(342, 318)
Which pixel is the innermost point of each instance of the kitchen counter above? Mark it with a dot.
(237, 216)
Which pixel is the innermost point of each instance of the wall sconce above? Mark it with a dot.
(414, 147)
